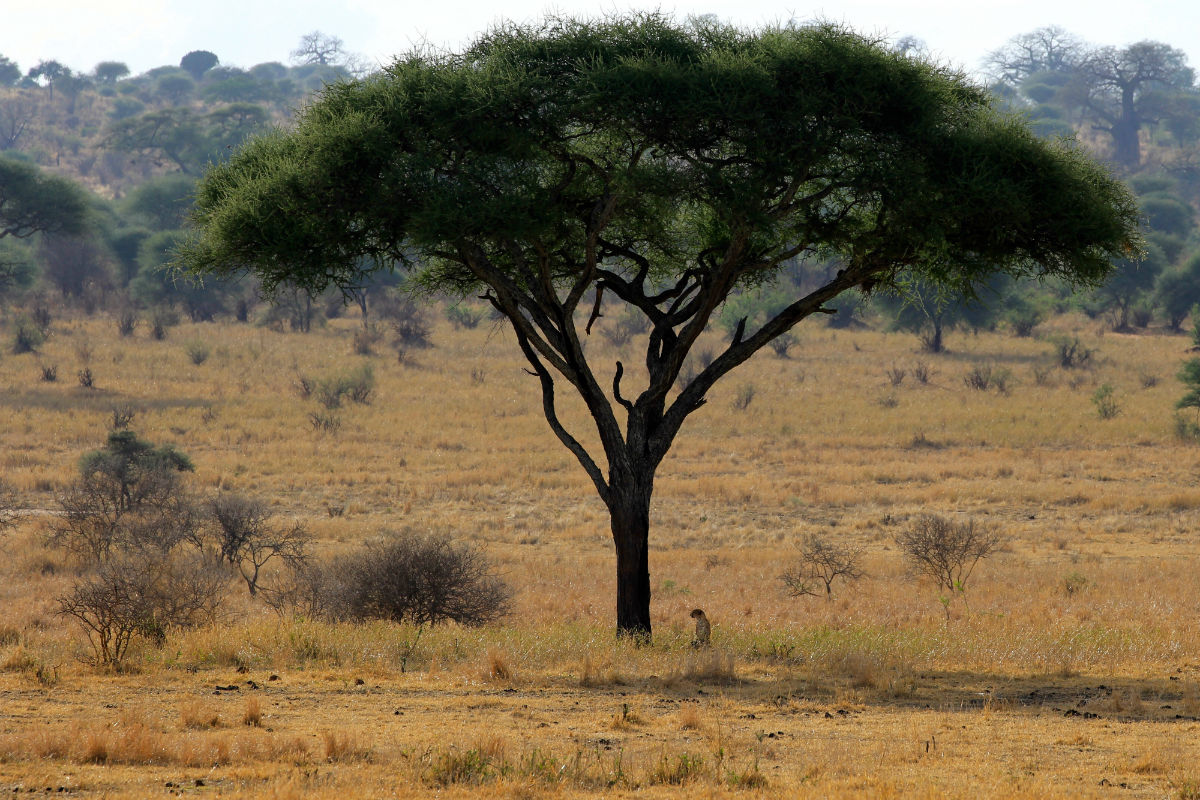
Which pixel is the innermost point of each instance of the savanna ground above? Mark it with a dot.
(1073, 672)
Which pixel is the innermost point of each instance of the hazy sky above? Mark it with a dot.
(150, 33)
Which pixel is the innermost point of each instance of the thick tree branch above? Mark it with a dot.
(617, 387)
(548, 409)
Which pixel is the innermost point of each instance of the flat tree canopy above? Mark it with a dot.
(33, 202)
(662, 166)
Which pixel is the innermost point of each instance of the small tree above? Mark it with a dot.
(128, 496)
(109, 72)
(198, 62)
(34, 202)
(824, 562)
(247, 538)
(947, 551)
(318, 48)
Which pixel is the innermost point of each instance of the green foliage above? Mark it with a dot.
(17, 267)
(158, 284)
(1177, 291)
(174, 88)
(198, 62)
(1168, 213)
(1131, 280)
(163, 201)
(109, 72)
(133, 468)
(1189, 376)
(1105, 401)
(10, 73)
(424, 110)
(34, 202)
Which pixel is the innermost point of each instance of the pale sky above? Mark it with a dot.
(151, 33)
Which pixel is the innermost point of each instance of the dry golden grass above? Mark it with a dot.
(1074, 671)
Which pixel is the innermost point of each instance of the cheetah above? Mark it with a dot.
(703, 629)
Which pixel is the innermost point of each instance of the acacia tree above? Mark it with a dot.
(32, 201)
(659, 166)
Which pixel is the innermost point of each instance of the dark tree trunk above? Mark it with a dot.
(1125, 140)
(629, 510)
(1125, 131)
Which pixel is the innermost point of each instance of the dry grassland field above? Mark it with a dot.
(1070, 668)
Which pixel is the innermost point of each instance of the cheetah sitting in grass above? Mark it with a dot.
(703, 629)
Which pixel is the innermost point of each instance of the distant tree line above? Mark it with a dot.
(140, 141)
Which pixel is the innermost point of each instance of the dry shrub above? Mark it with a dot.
(627, 718)
(678, 770)
(253, 714)
(689, 718)
(343, 747)
(411, 578)
(947, 551)
(497, 666)
(863, 670)
(196, 715)
(1127, 701)
(147, 594)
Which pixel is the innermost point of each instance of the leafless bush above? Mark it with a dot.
(988, 376)
(783, 343)
(687, 374)
(821, 563)
(466, 315)
(895, 375)
(304, 386)
(49, 373)
(94, 523)
(326, 422)
(365, 340)
(122, 417)
(419, 579)
(129, 495)
(921, 372)
(246, 536)
(142, 594)
(126, 323)
(410, 322)
(947, 551)
(745, 395)
(86, 379)
(624, 328)
(1072, 354)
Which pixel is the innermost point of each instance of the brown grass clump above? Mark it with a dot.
(343, 747)
(497, 666)
(253, 714)
(690, 719)
(196, 715)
